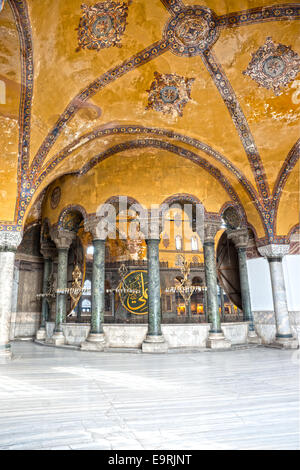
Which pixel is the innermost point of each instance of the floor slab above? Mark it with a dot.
(67, 399)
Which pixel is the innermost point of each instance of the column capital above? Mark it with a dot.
(99, 226)
(9, 241)
(211, 227)
(240, 237)
(273, 251)
(62, 238)
(48, 250)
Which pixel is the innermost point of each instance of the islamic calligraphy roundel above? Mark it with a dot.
(136, 301)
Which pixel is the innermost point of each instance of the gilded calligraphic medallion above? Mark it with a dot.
(273, 66)
(169, 93)
(134, 292)
(102, 25)
(193, 30)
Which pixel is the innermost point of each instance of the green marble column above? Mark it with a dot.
(240, 238)
(245, 292)
(98, 287)
(62, 283)
(222, 304)
(154, 312)
(45, 305)
(212, 289)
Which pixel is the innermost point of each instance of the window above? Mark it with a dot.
(178, 242)
(194, 244)
(90, 250)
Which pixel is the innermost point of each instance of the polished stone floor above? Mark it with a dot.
(65, 399)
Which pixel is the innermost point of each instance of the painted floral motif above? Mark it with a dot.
(169, 93)
(102, 25)
(273, 66)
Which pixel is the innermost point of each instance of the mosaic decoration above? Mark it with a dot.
(102, 25)
(229, 97)
(135, 302)
(193, 30)
(174, 6)
(72, 221)
(169, 93)
(273, 66)
(178, 34)
(154, 143)
(260, 15)
(55, 197)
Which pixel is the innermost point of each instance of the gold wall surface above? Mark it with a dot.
(61, 73)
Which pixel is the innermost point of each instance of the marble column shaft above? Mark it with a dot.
(284, 334)
(98, 287)
(154, 308)
(62, 283)
(45, 305)
(279, 299)
(245, 291)
(9, 241)
(212, 287)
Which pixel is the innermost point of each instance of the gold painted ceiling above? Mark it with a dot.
(152, 95)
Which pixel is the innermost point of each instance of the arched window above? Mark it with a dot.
(194, 244)
(178, 242)
(90, 250)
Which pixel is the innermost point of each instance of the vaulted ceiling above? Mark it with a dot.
(215, 82)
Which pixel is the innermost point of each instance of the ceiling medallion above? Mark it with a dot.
(193, 30)
(102, 25)
(273, 66)
(55, 197)
(169, 93)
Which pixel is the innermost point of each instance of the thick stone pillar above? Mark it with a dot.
(48, 253)
(9, 242)
(62, 240)
(154, 341)
(216, 338)
(240, 238)
(284, 336)
(96, 339)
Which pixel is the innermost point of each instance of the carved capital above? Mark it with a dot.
(240, 237)
(62, 238)
(211, 227)
(99, 226)
(9, 241)
(48, 250)
(274, 251)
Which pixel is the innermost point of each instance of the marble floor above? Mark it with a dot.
(65, 399)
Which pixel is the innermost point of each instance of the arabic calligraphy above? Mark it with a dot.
(135, 297)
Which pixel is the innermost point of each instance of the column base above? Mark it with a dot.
(94, 342)
(57, 339)
(41, 334)
(5, 355)
(253, 338)
(154, 344)
(284, 343)
(218, 341)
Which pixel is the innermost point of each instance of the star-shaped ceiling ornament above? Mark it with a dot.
(169, 93)
(102, 25)
(273, 66)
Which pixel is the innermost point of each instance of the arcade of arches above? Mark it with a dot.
(178, 118)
